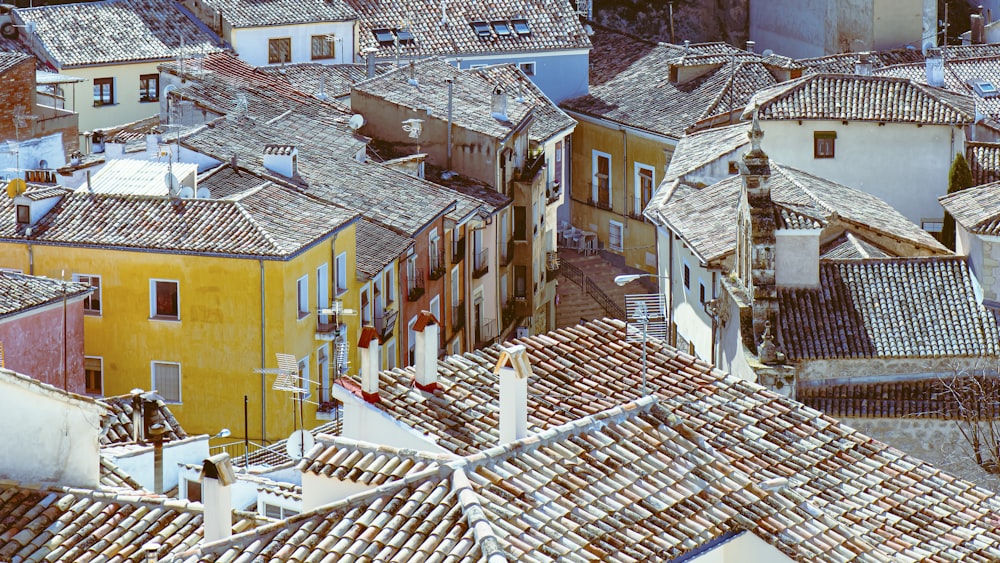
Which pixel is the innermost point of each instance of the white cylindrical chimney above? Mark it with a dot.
(514, 371)
(427, 332)
(750, 46)
(217, 477)
(371, 363)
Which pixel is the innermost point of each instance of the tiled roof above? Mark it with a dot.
(217, 81)
(698, 149)
(113, 478)
(553, 24)
(976, 208)
(228, 182)
(888, 308)
(10, 60)
(261, 13)
(256, 225)
(959, 75)
(648, 481)
(635, 89)
(143, 30)
(276, 455)
(136, 177)
(984, 161)
(20, 292)
(844, 63)
(336, 80)
(862, 98)
(704, 218)
(64, 524)
(471, 97)
(377, 247)
(850, 246)
(360, 462)
(391, 198)
(118, 422)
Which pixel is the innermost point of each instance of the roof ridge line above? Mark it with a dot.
(238, 204)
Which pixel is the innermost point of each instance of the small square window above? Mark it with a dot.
(824, 144)
(482, 29)
(165, 299)
(104, 91)
(323, 47)
(527, 68)
(615, 235)
(404, 36)
(149, 87)
(23, 214)
(92, 303)
(279, 50)
(93, 369)
(521, 26)
(384, 36)
(501, 27)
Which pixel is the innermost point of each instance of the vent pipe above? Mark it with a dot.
(750, 46)
(863, 66)
(427, 333)
(977, 30)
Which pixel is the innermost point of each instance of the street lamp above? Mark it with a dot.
(629, 278)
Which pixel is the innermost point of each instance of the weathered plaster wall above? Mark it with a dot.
(818, 370)
(796, 258)
(34, 344)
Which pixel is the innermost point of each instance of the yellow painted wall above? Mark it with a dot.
(217, 340)
(639, 236)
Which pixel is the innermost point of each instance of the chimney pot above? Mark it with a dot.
(750, 46)
(217, 476)
(371, 363)
(427, 333)
(282, 159)
(977, 31)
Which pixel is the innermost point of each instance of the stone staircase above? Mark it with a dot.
(575, 304)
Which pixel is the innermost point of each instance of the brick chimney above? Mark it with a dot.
(514, 371)
(370, 350)
(282, 159)
(217, 477)
(427, 330)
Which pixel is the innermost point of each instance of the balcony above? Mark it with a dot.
(385, 324)
(415, 284)
(531, 168)
(486, 333)
(435, 261)
(600, 203)
(326, 329)
(509, 313)
(552, 193)
(508, 253)
(551, 266)
(481, 264)
(634, 209)
(457, 317)
(457, 250)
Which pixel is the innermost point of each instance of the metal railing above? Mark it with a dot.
(575, 275)
(481, 263)
(435, 261)
(532, 167)
(415, 284)
(457, 316)
(457, 250)
(552, 193)
(551, 266)
(385, 323)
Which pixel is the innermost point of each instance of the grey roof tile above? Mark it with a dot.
(21, 292)
(377, 247)
(700, 148)
(81, 34)
(262, 13)
(976, 208)
(984, 161)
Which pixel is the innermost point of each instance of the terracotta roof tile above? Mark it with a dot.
(984, 161)
(118, 422)
(261, 13)
(21, 292)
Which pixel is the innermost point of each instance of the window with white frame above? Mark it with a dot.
(527, 68)
(411, 341)
(304, 381)
(600, 190)
(366, 308)
(164, 299)
(92, 303)
(302, 296)
(340, 279)
(435, 309)
(93, 370)
(390, 285)
(167, 381)
(323, 372)
(455, 287)
(644, 178)
(615, 235)
(276, 512)
(390, 354)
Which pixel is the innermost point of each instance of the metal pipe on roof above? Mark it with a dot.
(451, 84)
(263, 345)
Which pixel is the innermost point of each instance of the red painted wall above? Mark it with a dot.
(33, 345)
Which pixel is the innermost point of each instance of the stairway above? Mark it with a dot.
(574, 304)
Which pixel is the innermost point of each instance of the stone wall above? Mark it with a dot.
(694, 20)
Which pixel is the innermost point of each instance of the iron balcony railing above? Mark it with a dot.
(481, 264)
(415, 284)
(457, 317)
(435, 261)
(386, 323)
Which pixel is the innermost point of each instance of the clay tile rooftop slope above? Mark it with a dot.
(118, 421)
(977, 209)
(377, 247)
(650, 480)
(445, 28)
(117, 31)
(20, 292)
(262, 13)
(862, 98)
(984, 161)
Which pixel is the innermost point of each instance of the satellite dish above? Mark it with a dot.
(767, 52)
(356, 121)
(203, 193)
(16, 187)
(299, 443)
(173, 185)
(187, 192)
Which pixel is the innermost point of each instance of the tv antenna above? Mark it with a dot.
(645, 316)
(241, 107)
(288, 380)
(333, 317)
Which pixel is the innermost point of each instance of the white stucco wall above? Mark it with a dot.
(367, 423)
(318, 490)
(796, 257)
(47, 436)
(904, 165)
(744, 548)
(138, 461)
(693, 323)
(714, 171)
(984, 260)
(251, 44)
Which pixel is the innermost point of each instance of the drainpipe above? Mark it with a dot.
(451, 84)
(263, 379)
(671, 336)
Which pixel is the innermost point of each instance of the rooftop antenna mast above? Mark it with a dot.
(334, 317)
(289, 380)
(645, 316)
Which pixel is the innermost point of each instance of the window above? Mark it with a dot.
(411, 341)
(521, 26)
(527, 68)
(164, 300)
(701, 292)
(390, 288)
(501, 27)
(824, 144)
(23, 214)
(276, 512)
(340, 281)
(404, 36)
(193, 490)
(323, 290)
(520, 223)
(93, 370)
(687, 277)
(520, 282)
(279, 50)
(167, 381)
(455, 288)
(104, 91)
(149, 87)
(304, 377)
(482, 29)
(559, 163)
(323, 47)
(92, 304)
(615, 236)
(390, 354)
(384, 36)
(644, 176)
(302, 296)
(600, 192)
(366, 310)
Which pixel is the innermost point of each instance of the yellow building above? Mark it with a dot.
(194, 295)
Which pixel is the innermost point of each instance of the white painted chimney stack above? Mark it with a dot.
(514, 371)
(217, 477)
(282, 159)
(371, 363)
(427, 330)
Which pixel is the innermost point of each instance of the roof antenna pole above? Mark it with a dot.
(451, 84)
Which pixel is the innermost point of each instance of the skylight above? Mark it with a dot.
(384, 36)
(521, 26)
(482, 29)
(985, 88)
(404, 35)
(501, 27)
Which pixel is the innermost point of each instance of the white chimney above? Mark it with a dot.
(152, 145)
(750, 46)
(426, 351)
(498, 106)
(217, 476)
(514, 371)
(282, 159)
(113, 150)
(934, 67)
(371, 363)
(863, 66)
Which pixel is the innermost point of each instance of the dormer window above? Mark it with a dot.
(482, 29)
(384, 36)
(23, 214)
(521, 26)
(501, 27)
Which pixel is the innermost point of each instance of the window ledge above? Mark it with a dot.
(92, 313)
(149, 101)
(165, 318)
(97, 105)
(303, 315)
